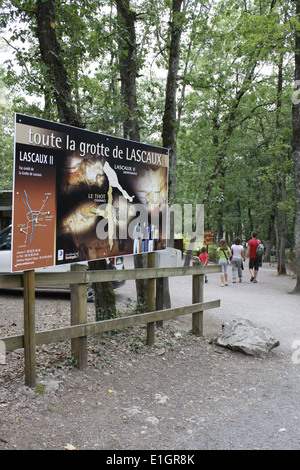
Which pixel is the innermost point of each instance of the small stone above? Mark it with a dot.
(152, 420)
(161, 351)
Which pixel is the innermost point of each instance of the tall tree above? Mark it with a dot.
(60, 85)
(281, 269)
(128, 68)
(296, 146)
(128, 72)
(169, 131)
(225, 75)
(52, 56)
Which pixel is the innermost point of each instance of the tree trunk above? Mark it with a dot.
(281, 268)
(296, 150)
(140, 262)
(105, 299)
(169, 131)
(52, 57)
(281, 258)
(128, 68)
(271, 232)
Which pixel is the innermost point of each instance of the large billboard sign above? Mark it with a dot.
(80, 195)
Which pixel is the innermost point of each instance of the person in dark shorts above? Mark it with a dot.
(253, 258)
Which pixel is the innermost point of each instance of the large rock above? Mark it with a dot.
(243, 335)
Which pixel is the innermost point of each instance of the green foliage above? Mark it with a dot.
(228, 153)
(137, 344)
(227, 132)
(212, 253)
(7, 132)
(40, 389)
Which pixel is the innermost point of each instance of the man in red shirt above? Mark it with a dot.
(253, 258)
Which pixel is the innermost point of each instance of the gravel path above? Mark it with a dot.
(184, 394)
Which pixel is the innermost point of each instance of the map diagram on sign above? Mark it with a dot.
(34, 218)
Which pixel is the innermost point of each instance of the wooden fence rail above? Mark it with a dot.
(9, 281)
(80, 329)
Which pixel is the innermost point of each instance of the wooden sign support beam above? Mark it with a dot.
(29, 328)
(79, 316)
(151, 299)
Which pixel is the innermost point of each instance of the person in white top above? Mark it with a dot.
(237, 258)
(136, 238)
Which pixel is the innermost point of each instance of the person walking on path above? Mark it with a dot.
(223, 253)
(136, 238)
(204, 257)
(253, 258)
(273, 256)
(237, 258)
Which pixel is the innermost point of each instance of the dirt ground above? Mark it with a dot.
(185, 393)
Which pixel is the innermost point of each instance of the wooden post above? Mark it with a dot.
(29, 328)
(151, 299)
(197, 321)
(159, 297)
(79, 316)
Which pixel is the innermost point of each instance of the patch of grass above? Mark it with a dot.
(40, 389)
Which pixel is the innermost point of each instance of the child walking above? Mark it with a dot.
(204, 258)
